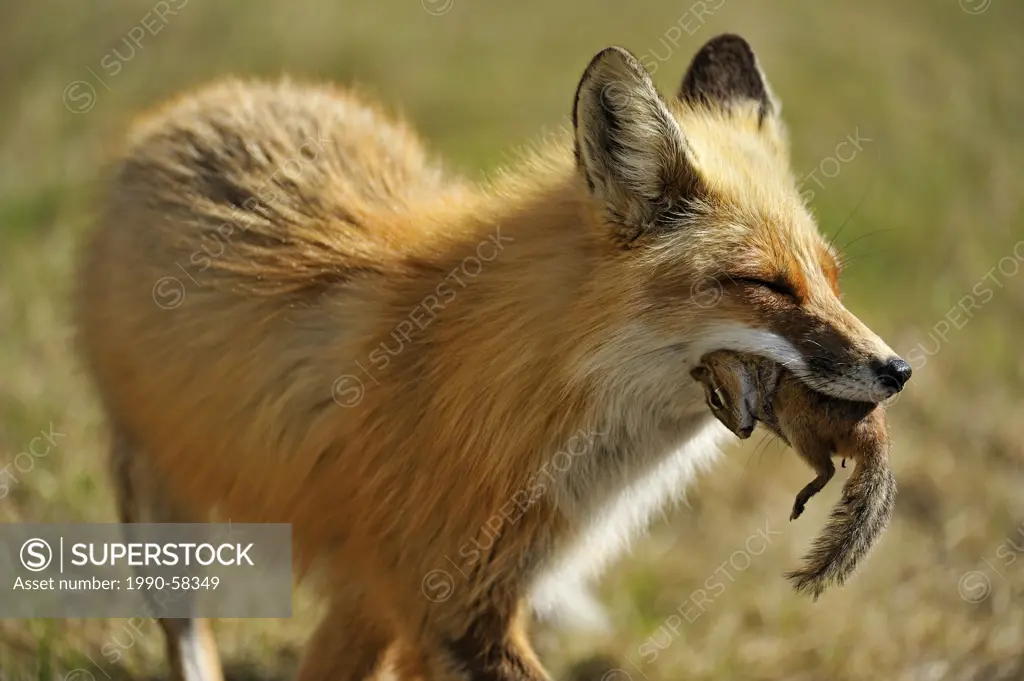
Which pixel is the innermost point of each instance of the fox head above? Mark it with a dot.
(713, 245)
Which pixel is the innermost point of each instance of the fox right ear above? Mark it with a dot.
(725, 73)
(629, 147)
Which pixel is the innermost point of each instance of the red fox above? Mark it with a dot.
(744, 389)
(461, 397)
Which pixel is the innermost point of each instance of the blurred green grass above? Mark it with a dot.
(934, 87)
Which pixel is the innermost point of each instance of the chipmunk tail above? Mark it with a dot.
(856, 523)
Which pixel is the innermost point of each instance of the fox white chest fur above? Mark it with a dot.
(612, 498)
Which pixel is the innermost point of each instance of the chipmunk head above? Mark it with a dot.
(730, 389)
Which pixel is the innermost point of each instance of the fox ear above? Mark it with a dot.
(725, 74)
(629, 147)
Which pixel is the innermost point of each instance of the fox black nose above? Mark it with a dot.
(895, 372)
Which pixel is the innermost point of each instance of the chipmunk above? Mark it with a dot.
(744, 389)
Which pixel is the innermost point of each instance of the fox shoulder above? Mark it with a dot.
(278, 181)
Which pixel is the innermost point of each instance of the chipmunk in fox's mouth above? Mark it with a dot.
(743, 389)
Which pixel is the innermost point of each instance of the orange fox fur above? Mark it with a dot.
(294, 315)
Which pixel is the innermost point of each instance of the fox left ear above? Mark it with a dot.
(725, 74)
(629, 147)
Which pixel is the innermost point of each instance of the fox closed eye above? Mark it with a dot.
(777, 286)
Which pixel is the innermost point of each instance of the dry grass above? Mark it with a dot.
(935, 88)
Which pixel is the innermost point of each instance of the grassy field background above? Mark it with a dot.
(933, 209)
